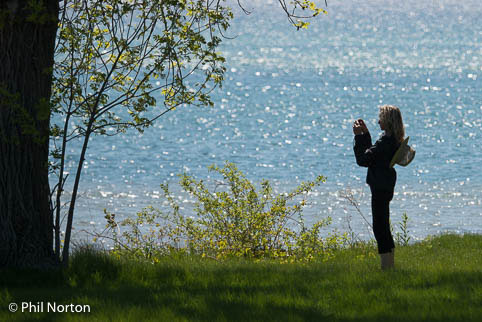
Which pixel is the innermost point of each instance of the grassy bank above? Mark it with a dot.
(439, 279)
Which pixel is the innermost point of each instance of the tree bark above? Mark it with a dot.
(27, 41)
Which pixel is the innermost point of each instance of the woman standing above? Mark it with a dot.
(380, 176)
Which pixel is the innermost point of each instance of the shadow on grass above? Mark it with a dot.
(241, 291)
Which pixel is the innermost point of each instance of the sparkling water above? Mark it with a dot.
(287, 105)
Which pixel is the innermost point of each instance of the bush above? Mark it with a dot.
(234, 220)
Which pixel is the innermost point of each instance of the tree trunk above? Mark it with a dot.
(27, 40)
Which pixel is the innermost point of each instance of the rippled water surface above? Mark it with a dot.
(287, 105)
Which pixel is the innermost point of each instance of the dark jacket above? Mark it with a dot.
(377, 158)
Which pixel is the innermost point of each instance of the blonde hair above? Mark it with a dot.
(391, 117)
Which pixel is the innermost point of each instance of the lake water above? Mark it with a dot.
(289, 100)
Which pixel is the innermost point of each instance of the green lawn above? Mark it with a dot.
(435, 280)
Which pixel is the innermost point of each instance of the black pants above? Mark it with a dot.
(381, 220)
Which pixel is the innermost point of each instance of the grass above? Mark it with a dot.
(439, 279)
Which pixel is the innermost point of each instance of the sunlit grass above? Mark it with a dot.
(439, 279)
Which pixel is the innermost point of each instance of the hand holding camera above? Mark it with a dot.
(359, 127)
